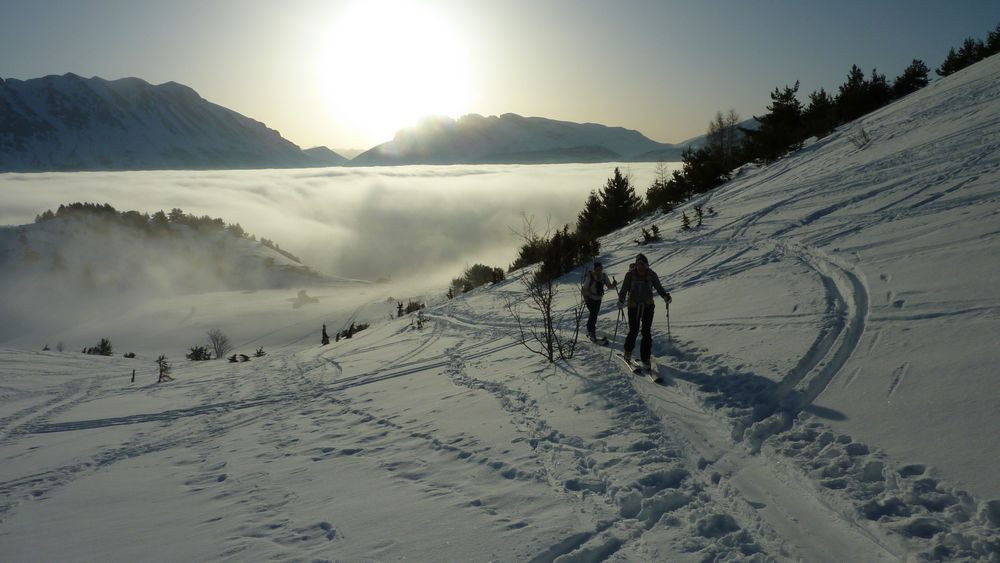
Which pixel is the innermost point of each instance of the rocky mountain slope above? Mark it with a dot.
(73, 123)
(511, 138)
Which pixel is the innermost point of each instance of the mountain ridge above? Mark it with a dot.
(474, 139)
(70, 123)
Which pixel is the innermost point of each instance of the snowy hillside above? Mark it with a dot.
(511, 138)
(831, 394)
(72, 123)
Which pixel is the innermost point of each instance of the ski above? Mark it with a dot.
(652, 374)
(602, 341)
(636, 368)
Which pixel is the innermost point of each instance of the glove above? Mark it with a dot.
(668, 300)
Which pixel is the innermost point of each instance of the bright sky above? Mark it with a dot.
(349, 73)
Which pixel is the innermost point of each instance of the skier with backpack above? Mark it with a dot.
(637, 294)
(594, 282)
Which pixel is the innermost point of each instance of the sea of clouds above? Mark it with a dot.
(367, 223)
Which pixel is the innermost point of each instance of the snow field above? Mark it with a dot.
(830, 393)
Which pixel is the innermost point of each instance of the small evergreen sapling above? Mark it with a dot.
(164, 368)
(685, 222)
(199, 353)
(103, 348)
(651, 235)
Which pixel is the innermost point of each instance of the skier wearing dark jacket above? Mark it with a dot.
(594, 282)
(637, 293)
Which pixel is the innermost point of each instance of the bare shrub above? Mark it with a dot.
(859, 138)
(542, 335)
(219, 342)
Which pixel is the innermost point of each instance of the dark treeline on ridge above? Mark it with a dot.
(158, 222)
(785, 127)
(788, 122)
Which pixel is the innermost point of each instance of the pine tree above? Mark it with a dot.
(103, 347)
(851, 99)
(176, 215)
(992, 46)
(820, 117)
(589, 221)
(199, 353)
(685, 222)
(611, 208)
(972, 51)
(913, 78)
(781, 130)
(164, 369)
(878, 90)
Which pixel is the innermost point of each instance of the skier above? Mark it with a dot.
(637, 288)
(594, 282)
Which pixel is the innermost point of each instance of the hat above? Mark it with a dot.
(642, 258)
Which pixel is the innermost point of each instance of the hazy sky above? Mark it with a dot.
(348, 73)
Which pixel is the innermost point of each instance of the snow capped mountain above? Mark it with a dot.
(511, 138)
(72, 123)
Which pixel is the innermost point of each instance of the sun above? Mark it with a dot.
(389, 63)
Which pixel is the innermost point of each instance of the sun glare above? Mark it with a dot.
(389, 63)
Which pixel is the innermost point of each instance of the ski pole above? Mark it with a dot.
(669, 338)
(615, 337)
(617, 322)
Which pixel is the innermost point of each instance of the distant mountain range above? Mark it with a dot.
(70, 123)
(513, 139)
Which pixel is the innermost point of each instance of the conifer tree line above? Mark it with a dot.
(556, 253)
(788, 122)
(155, 224)
(784, 128)
(972, 51)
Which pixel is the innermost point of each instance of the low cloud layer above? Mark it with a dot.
(366, 223)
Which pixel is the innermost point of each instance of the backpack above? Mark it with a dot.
(589, 283)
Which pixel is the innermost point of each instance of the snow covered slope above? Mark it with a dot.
(511, 138)
(831, 393)
(72, 123)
